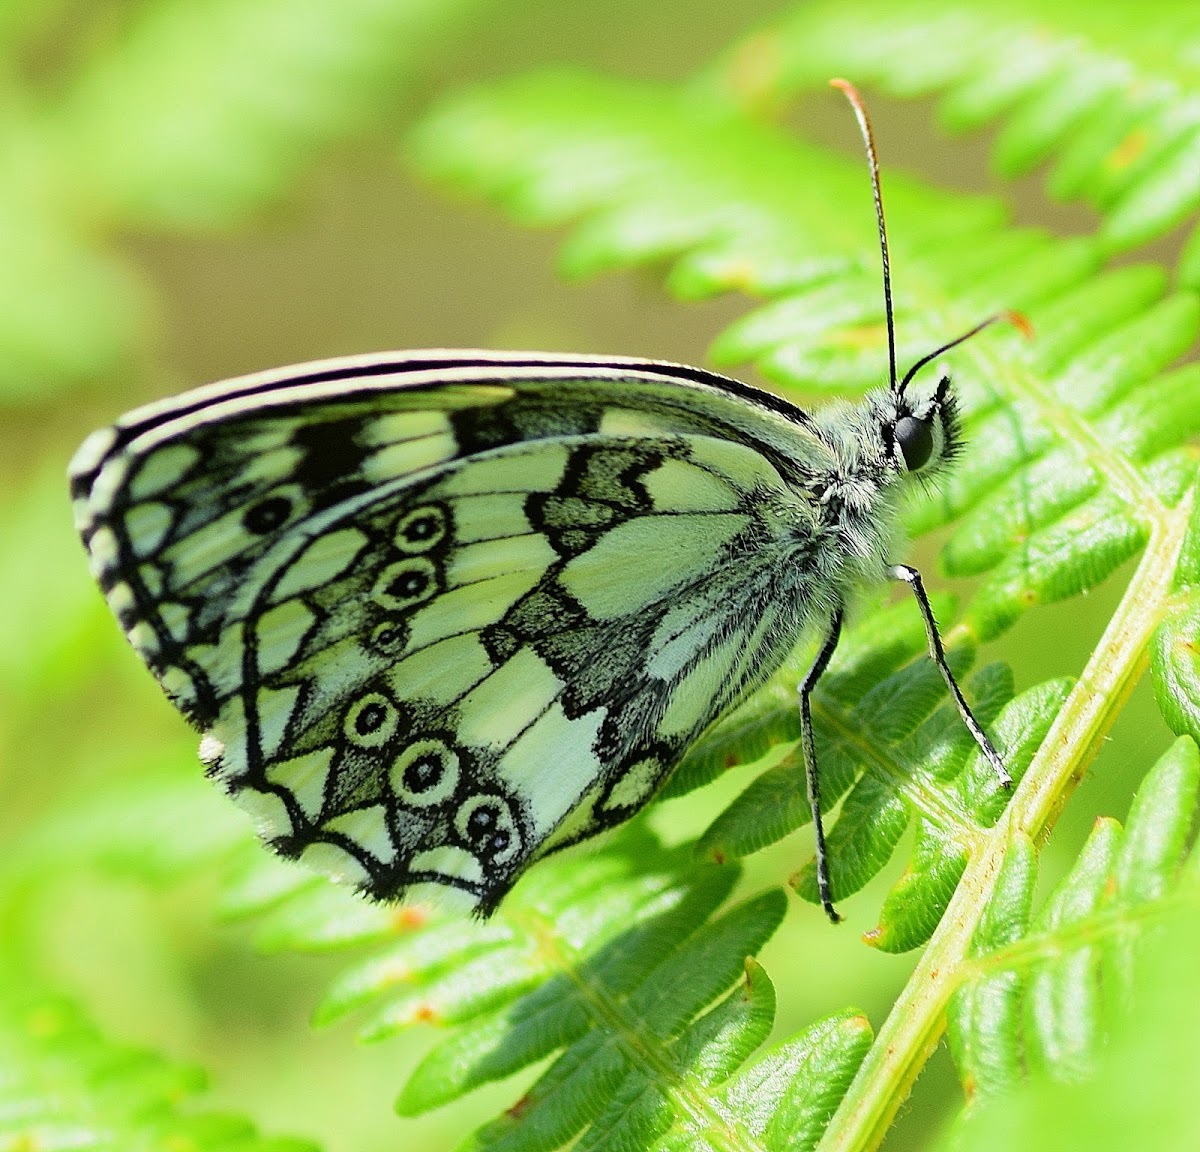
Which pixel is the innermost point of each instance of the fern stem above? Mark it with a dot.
(914, 1026)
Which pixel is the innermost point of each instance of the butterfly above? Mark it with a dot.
(440, 613)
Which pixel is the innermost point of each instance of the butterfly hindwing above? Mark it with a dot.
(433, 631)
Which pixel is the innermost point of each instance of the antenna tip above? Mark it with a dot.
(848, 88)
(1019, 321)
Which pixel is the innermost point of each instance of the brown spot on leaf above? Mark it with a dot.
(519, 1108)
(426, 1013)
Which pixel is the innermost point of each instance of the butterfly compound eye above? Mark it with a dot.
(915, 439)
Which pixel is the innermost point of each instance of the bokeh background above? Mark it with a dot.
(111, 301)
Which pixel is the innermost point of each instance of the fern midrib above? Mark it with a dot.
(1124, 477)
(914, 1026)
(645, 1052)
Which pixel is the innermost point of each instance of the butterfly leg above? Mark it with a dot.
(810, 760)
(912, 578)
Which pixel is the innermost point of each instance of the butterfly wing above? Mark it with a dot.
(440, 614)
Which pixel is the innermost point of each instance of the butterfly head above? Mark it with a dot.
(922, 434)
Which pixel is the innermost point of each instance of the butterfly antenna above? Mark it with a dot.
(860, 110)
(1017, 319)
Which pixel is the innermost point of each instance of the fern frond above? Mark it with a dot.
(1106, 91)
(63, 1082)
(627, 971)
(1045, 996)
(1173, 657)
(607, 960)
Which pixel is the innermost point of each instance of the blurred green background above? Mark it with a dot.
(112, 298)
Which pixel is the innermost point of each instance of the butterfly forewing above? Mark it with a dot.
(438, 614)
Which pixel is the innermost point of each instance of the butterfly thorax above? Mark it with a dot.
(855, 490)
(858, 485)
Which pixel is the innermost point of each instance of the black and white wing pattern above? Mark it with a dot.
(437, 614)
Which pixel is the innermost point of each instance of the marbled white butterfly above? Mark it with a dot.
(440, 613)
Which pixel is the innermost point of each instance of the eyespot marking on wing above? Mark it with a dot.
(371, 720)
(406, 583)
(418, 696)
(486, 823)
(421, 529)
(425, 774)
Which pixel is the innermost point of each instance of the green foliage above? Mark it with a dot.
(1048, 993)
(189, 115)
(66, 1085)
(1104, 91)
(203, 111)
(1173, 656)
(621, 988)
